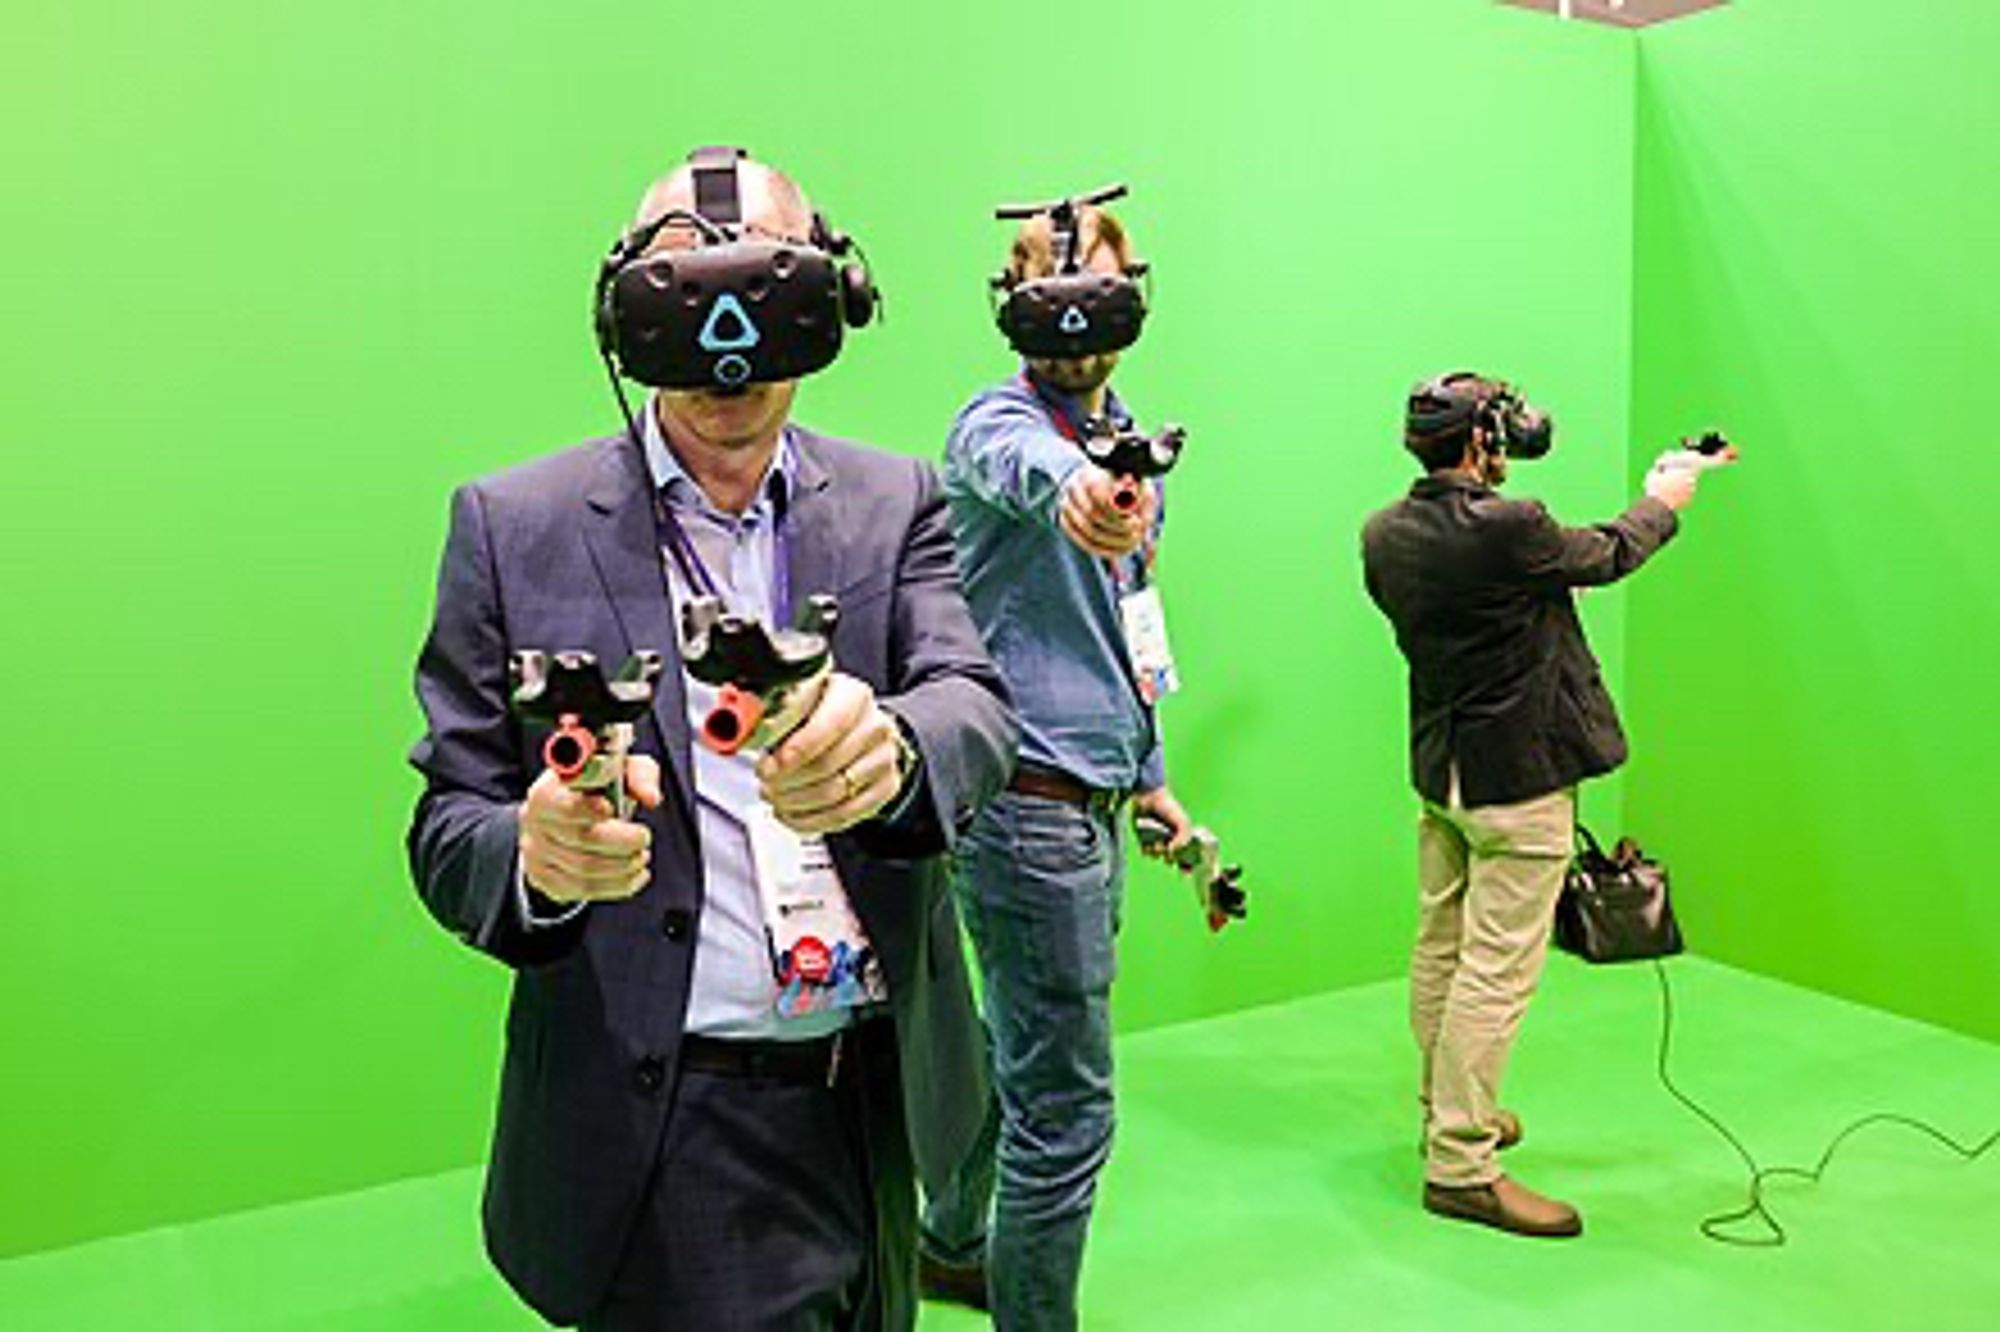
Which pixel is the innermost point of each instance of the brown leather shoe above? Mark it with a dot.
(952, 1283)
(1510, 1132)
(1505, 1205)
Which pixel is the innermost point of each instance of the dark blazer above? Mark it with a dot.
(1501, 680)
(561, 553)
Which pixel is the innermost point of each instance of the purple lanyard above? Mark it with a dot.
(680, 547)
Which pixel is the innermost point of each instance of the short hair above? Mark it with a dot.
(1033, 254)
(676, 190)
(1440, 416)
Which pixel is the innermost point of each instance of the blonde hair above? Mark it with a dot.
(1034, 250)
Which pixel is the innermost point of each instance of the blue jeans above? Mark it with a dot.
(1039, 884)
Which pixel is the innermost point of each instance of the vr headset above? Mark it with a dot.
(735, 309)
(1072, 312)
(1456, 402)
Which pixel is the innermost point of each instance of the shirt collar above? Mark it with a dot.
(1433, 484)
(780, 479)
(1071, 404)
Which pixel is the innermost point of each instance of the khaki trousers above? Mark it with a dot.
(1488, 880)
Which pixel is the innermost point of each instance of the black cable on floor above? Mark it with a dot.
(1774, 1235)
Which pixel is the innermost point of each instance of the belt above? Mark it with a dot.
(1053, 785)
(816, 1062)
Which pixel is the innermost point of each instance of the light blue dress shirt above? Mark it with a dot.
(1047, 610)
(734, 990)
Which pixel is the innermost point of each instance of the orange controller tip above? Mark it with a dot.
(729, 724)
(569, 748)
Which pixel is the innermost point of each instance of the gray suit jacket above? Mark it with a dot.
(1502, 683)
(561, 553)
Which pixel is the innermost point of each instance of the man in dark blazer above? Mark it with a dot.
(670, 1149)
(1507, 714)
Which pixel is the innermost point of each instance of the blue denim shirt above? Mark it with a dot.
(1047, 610)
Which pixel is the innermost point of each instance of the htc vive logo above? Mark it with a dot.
(1073, 321)
(728, 328)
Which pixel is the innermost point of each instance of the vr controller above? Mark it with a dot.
(1217, 885)
(1698, 454)
(1451, 402)
(1131, 455)
(733, 310)
(1074, 311)
(592, 717)
(768, 679)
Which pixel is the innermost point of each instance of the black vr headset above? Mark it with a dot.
(1456, 402)
(735, 309)
(1073, 311)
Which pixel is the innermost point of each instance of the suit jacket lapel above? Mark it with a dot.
(624, 547)
(815, 564)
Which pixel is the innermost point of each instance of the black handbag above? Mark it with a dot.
(1615, 908)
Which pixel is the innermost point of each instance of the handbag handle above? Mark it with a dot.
(1623, 856)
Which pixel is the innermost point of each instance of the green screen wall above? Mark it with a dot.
(276, 275)
(1812, 667)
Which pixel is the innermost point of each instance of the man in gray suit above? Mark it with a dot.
(675, 1147)
(1507, 715)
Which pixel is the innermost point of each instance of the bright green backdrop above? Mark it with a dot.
(276, 275)
(1813, 680)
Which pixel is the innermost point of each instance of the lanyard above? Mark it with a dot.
(1059, 417)
(1058, 414)
(680, 548)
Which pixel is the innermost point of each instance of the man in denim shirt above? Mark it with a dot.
(1047, 557)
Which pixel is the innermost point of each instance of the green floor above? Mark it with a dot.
(1266, 1179)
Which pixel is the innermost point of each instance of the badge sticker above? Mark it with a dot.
(1145, 620)
(821, 957)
